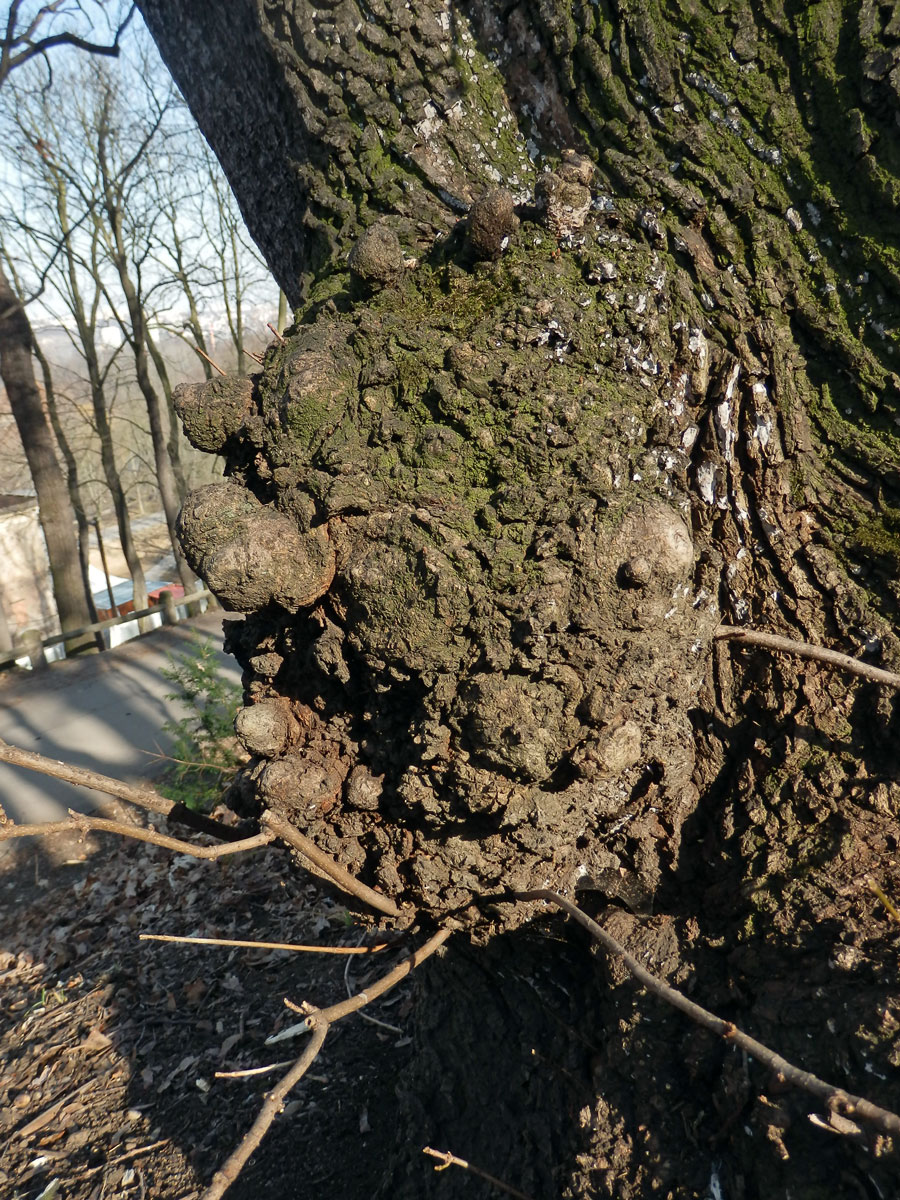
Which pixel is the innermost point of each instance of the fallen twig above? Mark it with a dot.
(143, 797)
(274, 1103)
(126, 1157)
(451, 1160)
(319, 1020)
(205, 941)
(327, 866)
(773, 641)
(834, 1098)
(139, 833)
(251, 1072)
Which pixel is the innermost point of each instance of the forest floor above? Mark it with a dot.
(109, 1046)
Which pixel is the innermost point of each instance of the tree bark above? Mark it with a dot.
(17, 371)
(490, 501)
(74, 487)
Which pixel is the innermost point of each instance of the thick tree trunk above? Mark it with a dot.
(490, 501)
(17, 371)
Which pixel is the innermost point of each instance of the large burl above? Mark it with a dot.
(457, 518)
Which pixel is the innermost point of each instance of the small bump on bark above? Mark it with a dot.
(490, 224)
(377, 259)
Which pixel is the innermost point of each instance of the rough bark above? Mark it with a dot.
(487, 508)
(17, 371)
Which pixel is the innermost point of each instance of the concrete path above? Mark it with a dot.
(103, 711)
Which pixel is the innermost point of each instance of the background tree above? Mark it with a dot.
(95, 178)
(31, 35)
(487, 515)
(17, 372)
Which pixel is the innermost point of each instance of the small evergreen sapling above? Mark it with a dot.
(205, 752)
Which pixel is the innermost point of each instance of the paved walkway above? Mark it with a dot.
(103, 711)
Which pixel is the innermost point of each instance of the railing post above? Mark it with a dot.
(32, 646)
(169, 607)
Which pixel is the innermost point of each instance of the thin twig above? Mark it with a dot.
(274, 1103)
(888, 903)
(252, 1071)
(319, 1021)
(209, 360)
(204, 941)
(269, 325)
(327, 866)
(142, 796)
(451, 1160)
(772, 641)
(138, 833)
(835, 1099)
(128, 1155)
(336, 1011)
(186, 762)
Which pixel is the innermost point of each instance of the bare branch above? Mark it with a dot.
(319, 1021)
(138, 833)
(208, 359)
(354, 1003)
(835, 1099)
(451, 1160)
(9, 60)
(203, 941)
(274, 1103)
(144, 797)
(772, 641)
(327, 866)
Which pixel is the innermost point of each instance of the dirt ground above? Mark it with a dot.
(109, 1046)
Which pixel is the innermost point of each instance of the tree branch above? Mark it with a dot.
(143, 797)
(241, 945)
(274, 1103)
(319, 1021)
(451, 1160)
(835, 1099)
(327, 866)
(138, 833)
(772, 641)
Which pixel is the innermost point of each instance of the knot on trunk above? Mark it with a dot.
(213, 412)
(251, 555)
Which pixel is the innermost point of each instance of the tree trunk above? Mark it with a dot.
(137, 337)
(490, 502)
(85, 325)
(17, 371)
(173, 447)
(72, 483)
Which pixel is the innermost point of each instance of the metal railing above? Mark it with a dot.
(31, 645)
